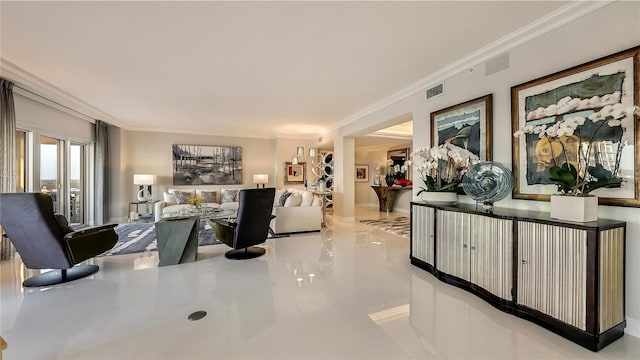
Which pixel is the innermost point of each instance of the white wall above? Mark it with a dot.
(610, 29)
(364, 194)
(285, 150)
(150, 153)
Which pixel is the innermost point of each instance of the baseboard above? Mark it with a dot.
(633, 327)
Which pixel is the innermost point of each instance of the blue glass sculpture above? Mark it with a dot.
(487, 182)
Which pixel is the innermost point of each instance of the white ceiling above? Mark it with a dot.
(290, 69)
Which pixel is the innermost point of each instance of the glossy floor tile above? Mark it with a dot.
(348, 292)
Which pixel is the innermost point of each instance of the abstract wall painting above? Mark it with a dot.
(466, 125)
(207, 165)
(577, 93)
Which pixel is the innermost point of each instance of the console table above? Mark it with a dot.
(565, 276)
(387, 195)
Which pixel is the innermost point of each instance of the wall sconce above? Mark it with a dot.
(142, 180)
(260, 179)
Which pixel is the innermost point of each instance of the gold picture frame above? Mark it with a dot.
(294, 173)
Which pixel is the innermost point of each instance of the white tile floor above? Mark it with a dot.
(346, 293)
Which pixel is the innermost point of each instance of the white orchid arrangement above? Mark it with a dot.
(388, 166)
(584, 178)
(442, 167)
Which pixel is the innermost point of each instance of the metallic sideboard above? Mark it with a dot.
(565, 276)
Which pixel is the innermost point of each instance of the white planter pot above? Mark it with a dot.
(574, 208)
(441, 197)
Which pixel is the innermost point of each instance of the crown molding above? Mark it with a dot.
(224, 134)
(39, 90)
(543, 25)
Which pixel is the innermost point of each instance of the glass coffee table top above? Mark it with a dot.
(204, 212)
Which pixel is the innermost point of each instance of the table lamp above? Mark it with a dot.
(260, 179)
(144, 194)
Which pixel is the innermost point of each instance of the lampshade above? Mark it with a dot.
(144, 179)
(312, 152)
(260, 178)
(294, 160)
(300, 151)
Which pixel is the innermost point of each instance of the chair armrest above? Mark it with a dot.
(87, 243)
(157, 209)
(90, 230)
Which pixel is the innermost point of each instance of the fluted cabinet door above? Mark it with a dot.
(492, 255)
(422, 241)
(453, 243)
(552, 268)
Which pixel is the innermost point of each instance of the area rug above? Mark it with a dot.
(398, 226)
(141, 237)
(137, 238)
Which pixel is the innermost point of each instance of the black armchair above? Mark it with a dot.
(251, 225)
(44, 240)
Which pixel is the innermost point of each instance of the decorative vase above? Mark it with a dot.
(574, 208)
(390, 179)
(447, 197)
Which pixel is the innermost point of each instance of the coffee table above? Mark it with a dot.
(177, 233)
(177, 239)
(203, 212)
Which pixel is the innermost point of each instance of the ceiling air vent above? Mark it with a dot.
(435, 91)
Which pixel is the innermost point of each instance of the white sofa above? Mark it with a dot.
(170, 204)
(301, 211)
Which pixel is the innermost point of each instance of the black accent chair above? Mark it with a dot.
(251, 225)
(45, 241)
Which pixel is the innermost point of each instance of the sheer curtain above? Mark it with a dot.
(102, 173)
(7, 154)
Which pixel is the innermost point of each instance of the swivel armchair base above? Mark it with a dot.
(58, 276)
(246, 253)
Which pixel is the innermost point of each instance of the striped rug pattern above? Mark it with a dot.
(398, 226)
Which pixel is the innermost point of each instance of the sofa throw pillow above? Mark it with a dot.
(182, 197)
(168, 198)
(293, 200)
(229, 196)
(307, 198)
(208, 196)
(276, 198)
(316, 201)
(283, 198)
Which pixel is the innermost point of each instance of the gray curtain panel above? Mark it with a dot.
(7, 154)
(102, 171)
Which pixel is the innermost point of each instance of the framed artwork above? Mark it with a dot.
(207, 165)
(362, 173)
(466, 125)
(376, 180)
(294, 173)
(579, 92)
(398, 157)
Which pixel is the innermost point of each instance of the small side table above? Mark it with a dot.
(177, 240)
(387, 196)
(324, 195)
(142, 210)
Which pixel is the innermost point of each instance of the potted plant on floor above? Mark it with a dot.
(441, 169)
(576, 171)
